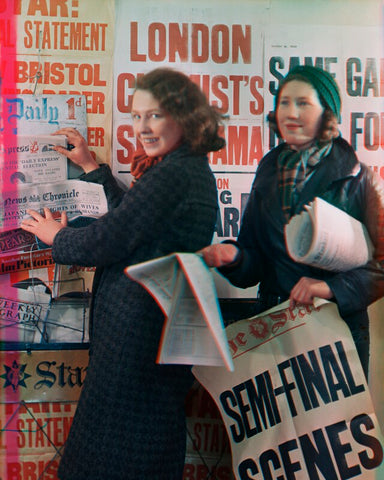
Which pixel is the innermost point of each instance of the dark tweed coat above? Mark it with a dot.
(130, 420)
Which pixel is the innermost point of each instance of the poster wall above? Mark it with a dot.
(237, 56)
(236, 52)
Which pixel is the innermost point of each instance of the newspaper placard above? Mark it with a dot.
(42, 375)
(183, 287)
(351, 52)
(218, 46)
(39, 391)
(22, 315)
(17, 240)
(75, 197)
(63, 48)
(34, 160)
(324, 236)
(298, 400)
(44, 114)
(208, 453)
(21, 261)
(32, 437)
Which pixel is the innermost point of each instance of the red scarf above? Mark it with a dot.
(142, 162)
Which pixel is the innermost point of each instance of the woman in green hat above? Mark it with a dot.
(312, 161)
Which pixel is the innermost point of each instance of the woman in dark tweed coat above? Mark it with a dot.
(130, 420)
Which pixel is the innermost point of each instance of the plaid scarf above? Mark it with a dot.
(295, 167)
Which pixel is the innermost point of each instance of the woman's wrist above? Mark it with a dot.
(237, 258)
(90, 166)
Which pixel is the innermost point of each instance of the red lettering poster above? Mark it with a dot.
(60, 47)
(219, 48)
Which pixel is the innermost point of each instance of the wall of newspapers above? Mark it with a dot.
(56, 71)
(74, 63)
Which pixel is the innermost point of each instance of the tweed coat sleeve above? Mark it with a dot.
(140, 218)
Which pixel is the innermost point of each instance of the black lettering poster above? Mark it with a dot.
(297, 405)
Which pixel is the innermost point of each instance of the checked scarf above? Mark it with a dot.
(295, 167)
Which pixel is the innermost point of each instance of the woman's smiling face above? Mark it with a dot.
(299, 114)
(155, 128)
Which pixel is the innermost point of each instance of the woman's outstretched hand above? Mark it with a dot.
(306, 289)
(80, 153)
(44, 227)
(219, 254)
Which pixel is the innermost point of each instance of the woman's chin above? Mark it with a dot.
(299, 144)
(151, 152)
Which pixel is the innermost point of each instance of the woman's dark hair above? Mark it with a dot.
(188, 106)
(329, 123)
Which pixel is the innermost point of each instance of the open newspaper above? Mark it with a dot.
(183, 287)
(326, 237)
(75, 197)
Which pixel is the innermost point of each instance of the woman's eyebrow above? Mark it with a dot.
(293, 96)
(157, 110)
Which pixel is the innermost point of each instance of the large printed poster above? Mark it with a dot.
(353, 55)
(62, 47)
(297, 405)
(237, 57)
(222, 51)
(42, 388)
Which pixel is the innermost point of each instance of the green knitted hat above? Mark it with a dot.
(322, 82)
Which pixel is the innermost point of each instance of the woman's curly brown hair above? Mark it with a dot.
(188, 106)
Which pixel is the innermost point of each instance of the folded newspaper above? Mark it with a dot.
(33, 159)
(326, 237)
(184, 289)
(75, 197)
